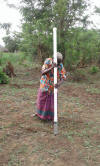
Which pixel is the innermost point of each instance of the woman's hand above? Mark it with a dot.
(54, 65)
(59, 83)
(56, 85)
(47, 70)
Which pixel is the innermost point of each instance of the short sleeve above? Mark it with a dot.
(47, 64)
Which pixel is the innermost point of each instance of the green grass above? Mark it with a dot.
(93, 90)
(19, 59)
(14, 160)
(12, 57)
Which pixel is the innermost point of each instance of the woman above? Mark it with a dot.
(45, 98)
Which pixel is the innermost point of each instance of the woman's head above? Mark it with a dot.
(59, 57)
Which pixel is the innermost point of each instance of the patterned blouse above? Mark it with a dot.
(47, 80)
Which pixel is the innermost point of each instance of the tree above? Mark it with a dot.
(41, 16)
(12, 43)
(83, 47)
(97, 10)
(6, 27)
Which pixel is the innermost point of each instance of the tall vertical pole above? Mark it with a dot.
(55, 80)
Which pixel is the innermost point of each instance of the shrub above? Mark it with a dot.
(94, 69)
(4, 79)
(12, 57)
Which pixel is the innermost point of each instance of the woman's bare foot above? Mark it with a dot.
(34, 115)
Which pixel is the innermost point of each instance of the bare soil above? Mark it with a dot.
(28, 141)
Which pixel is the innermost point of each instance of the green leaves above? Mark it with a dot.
(43, 15)
(4, 79)
(76, 43)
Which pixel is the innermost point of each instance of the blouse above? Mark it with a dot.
(47, 80)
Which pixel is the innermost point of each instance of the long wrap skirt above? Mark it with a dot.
(45, 105)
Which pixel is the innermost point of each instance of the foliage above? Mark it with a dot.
(79, 45)
(39, 19)
(97, 10)
(82, 47)
(12, 57)
(12, 43)
(4, 79)
(6, 27)
(94, 69)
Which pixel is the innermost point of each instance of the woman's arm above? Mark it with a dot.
(59, 83)
(47, 70)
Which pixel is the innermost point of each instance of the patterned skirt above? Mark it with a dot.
(45, 105)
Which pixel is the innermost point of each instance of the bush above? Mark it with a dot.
(94, 69)
(4, 79)
(12, 57)
(1, 58)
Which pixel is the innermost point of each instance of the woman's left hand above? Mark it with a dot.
(56, 85)
(59, 83)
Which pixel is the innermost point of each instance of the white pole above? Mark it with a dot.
(55, 80)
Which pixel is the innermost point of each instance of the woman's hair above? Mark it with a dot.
(59, 56)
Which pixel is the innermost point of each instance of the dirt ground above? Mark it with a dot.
(28, 141)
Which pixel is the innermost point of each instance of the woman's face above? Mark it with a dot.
(59, 61)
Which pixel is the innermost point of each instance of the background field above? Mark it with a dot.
(29, 141)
